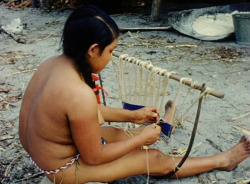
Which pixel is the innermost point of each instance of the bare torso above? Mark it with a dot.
(44, 126)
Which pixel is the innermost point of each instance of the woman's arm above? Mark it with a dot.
(86, 132)
(143, 115)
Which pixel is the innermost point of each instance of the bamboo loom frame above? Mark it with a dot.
(198, 86)
(173, 76)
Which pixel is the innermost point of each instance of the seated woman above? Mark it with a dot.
(60, 120)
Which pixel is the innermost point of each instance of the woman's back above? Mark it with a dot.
(44, 123)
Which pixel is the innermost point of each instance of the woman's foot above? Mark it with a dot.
(229, 159)
(170, 110)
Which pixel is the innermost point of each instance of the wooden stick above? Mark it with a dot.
(146, 29)
(242, 130)
(155, 11)
(214, 145)
(36, 175)
(18, 40)
(186, 45)
(15, 73)
(244, 181)
(177, 168)
(182, 151)
(186, 82)
(239, 117)
(8, 167)
(5, 137)
(34, 4)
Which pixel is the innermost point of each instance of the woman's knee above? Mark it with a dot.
(160, 163)
(113, 134)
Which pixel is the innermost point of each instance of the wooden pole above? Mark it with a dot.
(188, 83)
(146, 29)
(34, 4)
(191, 138)
(155, 11)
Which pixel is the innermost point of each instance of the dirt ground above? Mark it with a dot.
(222, 65)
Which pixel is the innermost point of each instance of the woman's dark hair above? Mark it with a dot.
(86, 26)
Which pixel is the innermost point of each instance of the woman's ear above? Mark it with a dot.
(93, 49)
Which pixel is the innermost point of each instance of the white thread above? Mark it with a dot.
(183, 80)
(147, 162)
(209, 90)
(171, 73)
(175, 167)
(123, 56)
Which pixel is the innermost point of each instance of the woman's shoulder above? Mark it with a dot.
(61, 80)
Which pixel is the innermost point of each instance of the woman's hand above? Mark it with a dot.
(146, 115)
(150, 133)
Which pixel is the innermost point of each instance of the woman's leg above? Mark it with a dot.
(170, 111)
(115, 134)
(135, 163)
(226, 161)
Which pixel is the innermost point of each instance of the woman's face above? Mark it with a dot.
(99, 60)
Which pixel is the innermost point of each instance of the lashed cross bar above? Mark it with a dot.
(173, 76)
